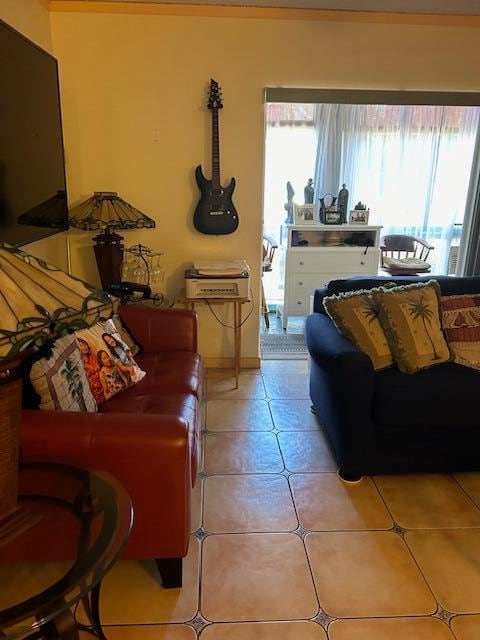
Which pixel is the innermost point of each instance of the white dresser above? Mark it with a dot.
(316, 254)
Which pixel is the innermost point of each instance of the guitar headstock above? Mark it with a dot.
(215, 96)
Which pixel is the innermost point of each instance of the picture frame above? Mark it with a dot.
(333, 217)
(305, 214)
(359, 216)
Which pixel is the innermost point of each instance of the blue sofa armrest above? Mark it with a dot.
(333, 351)
(318, 296)
(342, 383)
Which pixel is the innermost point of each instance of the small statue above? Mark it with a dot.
(288, 206)
(342, 202)
(308, 192)
(360, 206)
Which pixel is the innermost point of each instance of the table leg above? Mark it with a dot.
(237, 339)
(91, 604)
(63, 627)
(95, 600)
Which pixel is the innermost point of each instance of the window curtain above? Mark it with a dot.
(290, 147)
(410, 165)
(469, 255)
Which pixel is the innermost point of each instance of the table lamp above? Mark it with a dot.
(38, 302)
(106, 211)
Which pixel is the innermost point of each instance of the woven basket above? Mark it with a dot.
(10, 406)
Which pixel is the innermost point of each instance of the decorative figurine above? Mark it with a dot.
(360, 206)
(342, 202)
(288, 206)
(308, 192)
(327, 207)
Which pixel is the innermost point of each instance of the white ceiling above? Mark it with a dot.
(461, 7)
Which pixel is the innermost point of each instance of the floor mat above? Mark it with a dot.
(286, 346)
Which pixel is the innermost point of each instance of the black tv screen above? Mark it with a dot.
(33, 202)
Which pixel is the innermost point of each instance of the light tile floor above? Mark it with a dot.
(283, 550)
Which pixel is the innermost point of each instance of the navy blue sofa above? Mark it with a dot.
(388, 421)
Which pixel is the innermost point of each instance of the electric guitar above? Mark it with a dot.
(215, 213)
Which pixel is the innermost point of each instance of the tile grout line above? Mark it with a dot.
(459, 484)
(325, 626)
(410, 552)
(293, 503)
(383, 500)
(440, 608)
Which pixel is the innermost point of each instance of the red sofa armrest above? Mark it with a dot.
(161, 329)
(148, 454)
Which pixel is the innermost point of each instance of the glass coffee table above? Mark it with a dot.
(70, 528)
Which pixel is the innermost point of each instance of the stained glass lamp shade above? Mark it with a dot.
(37, 302)
(106, 211)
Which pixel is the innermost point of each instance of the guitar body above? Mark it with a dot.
(215, 213)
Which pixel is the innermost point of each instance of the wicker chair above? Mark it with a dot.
(405, 255)
(269, 247)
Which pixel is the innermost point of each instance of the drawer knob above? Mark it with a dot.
(299, 302)
(362, 262)
(301, 264)
(300, 284)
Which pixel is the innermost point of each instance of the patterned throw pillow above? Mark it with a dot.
(410, 316)
(60, 379)
(461, 323)
(355, 315)
(108, 361)
(125, 335)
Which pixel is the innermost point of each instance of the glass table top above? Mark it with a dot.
(70, 527)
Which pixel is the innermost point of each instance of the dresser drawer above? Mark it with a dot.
(304, 284)
(334, 261)
(300, 286)
(298, 305)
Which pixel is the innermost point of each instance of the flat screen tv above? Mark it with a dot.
(33, 202)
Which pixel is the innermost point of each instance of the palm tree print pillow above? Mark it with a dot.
(355, 314)
(60, 379)
(410, 316)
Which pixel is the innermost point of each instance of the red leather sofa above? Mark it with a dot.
(147, 437)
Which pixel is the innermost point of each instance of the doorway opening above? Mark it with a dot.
(410, 164)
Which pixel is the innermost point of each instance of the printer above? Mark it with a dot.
(218, 279)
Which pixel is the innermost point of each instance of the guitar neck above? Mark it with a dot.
(215, 151)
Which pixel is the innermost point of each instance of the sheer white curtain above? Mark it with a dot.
(411, 165)
(290, 147)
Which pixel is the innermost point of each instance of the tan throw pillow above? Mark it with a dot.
(461, 323)
(60, 379)
(355, 315)
(410, 316)
(108, 361)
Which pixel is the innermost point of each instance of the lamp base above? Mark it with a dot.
(109, 254)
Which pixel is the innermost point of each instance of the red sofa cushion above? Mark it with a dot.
(180, 371)
(181, 405)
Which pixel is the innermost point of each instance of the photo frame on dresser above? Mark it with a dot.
(333, 217)
(305, 214)
(359, 216)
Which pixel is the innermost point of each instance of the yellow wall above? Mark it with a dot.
(134, 91)
(30, 17)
